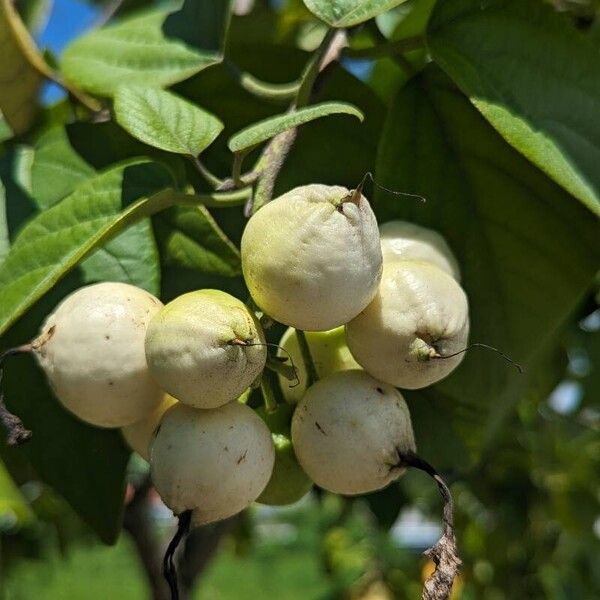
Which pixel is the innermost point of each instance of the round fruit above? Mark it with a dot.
(288, 483)
(419, 316)
(204, 348)
(92, 350)
(409, 241)
(139, 435)
(328, 351)
(350, 432)
(214, 462)
(312, 258)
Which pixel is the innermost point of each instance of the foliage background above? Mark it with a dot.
(494, 122)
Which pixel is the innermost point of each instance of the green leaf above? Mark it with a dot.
(534, 77)
(346, 13)
(523, 270)
(156, 49)
(21, 81)
(264, 130)
(164, 120)
(56, 169)
(189, 237)
(13, 507)
(58, 239)
(4, 233)
(131, 257)
(50, 171)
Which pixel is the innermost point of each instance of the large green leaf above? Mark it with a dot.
(260, 132)
(20, 79)
(51, 170)
(56, 169)
(346, 13)
(189, 237)
(59, 238)
(164, 120)
(534, 77)
(156, 49)
(524, 270)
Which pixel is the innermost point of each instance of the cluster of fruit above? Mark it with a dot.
(384, 310)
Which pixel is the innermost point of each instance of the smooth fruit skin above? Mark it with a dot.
(195, 348)
(409, 241)
(419, 313)
(288, 483)
(214, 462)
(349, 432)
(328, 350)
(138, 435)
(312, 258)
(92, 351)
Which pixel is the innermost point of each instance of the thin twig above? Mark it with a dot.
(274, 155)
(444, 553)
(311, 371)
(209, 177)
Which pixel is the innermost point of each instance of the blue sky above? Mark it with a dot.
(67, 19)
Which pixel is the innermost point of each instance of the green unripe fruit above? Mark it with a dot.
(328, 351)
(350, 432)
(204, 348)
(92, 351)
(311, 258)
(288, 483)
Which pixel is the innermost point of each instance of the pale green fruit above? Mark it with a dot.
(214, 462)
(288, 483)
(328, 351)
(419, 315)
(311, 258)
(204, 348)
(350, 432)
(139, 435)
(92, 351)
(409, 241)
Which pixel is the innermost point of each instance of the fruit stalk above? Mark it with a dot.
(169, 568)
(444, 553)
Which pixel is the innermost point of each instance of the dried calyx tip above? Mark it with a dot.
(17, 433)
(444, 553)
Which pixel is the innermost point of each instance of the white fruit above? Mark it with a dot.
(311, 258)
(409, 241)
(92, 350)
(328, 351)
(350, 432)
(202, 348)
(139, 435)
(419, 314)
(214, 462)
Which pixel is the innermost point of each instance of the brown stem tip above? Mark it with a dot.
(444, 553)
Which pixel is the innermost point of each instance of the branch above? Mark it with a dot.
(444, 553)
(139, 526)
(273, 156)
